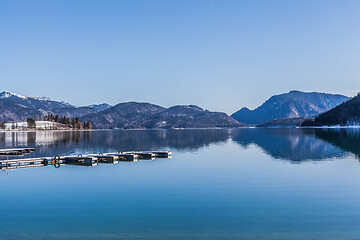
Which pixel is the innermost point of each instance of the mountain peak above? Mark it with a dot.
(294, 104)
(194, 107)
(295, 91)
(39, 98)
(100, 107)
(7, 94)
(245, 109)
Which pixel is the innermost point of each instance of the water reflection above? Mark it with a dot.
(295, 145)
(220, 192)
(346, 139)
(60, 142)
(21, 139)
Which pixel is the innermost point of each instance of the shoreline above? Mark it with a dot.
(48, 130)
(334, 127)
(117, 129)
(160, 129)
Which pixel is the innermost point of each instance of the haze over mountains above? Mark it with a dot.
(294, 104)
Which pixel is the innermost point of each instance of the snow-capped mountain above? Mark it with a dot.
(7, 94)
(294, 104)
(15, 107)
(33, 102)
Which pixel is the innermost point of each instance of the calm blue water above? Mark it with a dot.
(220, 184)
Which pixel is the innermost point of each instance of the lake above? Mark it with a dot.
(219, 184)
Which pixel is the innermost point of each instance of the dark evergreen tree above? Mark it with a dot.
(31, 123)
(76, 123)
(88, 125)
(347, 113)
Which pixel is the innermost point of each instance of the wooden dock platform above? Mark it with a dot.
(105, 158)
(143, 155)
(125, 157)
(163, 154)
(79, 160)
(23, 163)
(16, 151)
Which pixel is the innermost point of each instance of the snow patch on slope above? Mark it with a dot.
(7, 94)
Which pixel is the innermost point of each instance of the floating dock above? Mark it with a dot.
(142, 155)
(106, 158)
(126, 157)
(163, 154)
(80, 160)
(23, 163)
(16, 151)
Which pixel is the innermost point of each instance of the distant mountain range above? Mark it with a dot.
(347, 113)
(14, 107)
(294, 104)
(284, 110)
(131, 115)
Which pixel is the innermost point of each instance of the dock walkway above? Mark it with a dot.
(16, 151)
(80, 160)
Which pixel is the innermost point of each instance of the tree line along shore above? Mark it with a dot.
(48, 122)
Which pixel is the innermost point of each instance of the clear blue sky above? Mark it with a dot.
(220, 55)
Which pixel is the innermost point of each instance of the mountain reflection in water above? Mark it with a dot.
(65, 142)
(347, 139)
(294, 145)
